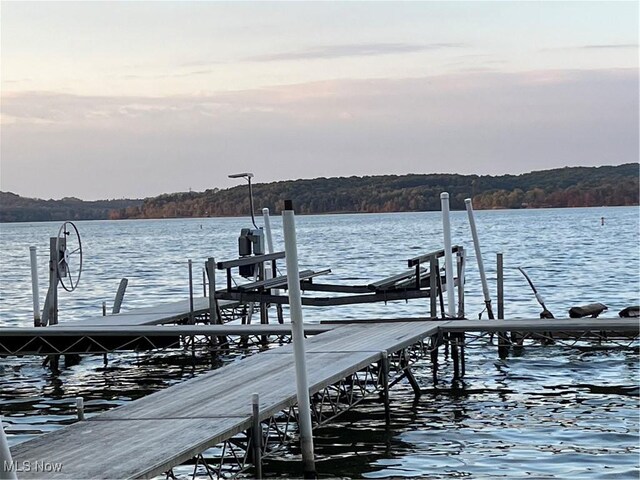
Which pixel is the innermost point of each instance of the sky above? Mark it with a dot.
(104, 100)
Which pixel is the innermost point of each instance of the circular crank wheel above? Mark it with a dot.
(69, 248)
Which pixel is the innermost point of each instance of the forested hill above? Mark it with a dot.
(563, 187)
(14, 208)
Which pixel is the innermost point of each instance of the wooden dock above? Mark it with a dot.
(156, 433)
(160, 314)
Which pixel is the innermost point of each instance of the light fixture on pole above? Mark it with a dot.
(248, 176)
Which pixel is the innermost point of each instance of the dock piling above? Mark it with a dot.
(297, 333)
(448, 257)
(434, 360)
(256, 434)
(384, 372)
(34, 286)
(476, 245)
(80, 408)
(503, 342)
(192, 319)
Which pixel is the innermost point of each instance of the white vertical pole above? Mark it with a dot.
(80, 408)
(7, 468)
(34, 286)
(297, 333)
(476, 244)
(267, 230)
(448, 257)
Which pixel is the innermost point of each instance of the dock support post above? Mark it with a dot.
(460, 266)
(52, 314)
(434, 273)
(448, 258)
(192, 319)
(434, 361)
(35, 291)
(404, 363)
(80, 408)
(455, 356)
(7, 470)
(256, 434)
(476, 245)
(384, 371)
(503, 343)
(463, 368)
(297, 333)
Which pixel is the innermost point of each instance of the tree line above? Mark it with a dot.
(562, 187)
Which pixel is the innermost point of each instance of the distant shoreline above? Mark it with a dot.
(607, 186)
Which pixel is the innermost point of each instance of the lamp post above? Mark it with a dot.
(248, 176)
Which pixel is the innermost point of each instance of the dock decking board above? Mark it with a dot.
(151, 435)
(156, 315)
(219, 400)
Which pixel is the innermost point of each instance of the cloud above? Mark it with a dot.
(487, 123)
(353, 50)
(612, 46)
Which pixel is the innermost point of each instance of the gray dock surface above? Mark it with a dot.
(156, 315)
(155, 433)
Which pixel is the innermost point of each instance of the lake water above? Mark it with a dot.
(547, 412)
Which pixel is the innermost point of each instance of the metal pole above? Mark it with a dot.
(297, 333)
(256, 434)
(267, 231)
(500, 286)
(448, 258)
(53, 281)
(7, 467)
(80, 408)
(434, 274)
(476, 245)
(503, 344)
(460, 264)
(385, 385)
(191, 317)
(213, 305)
(34, 286)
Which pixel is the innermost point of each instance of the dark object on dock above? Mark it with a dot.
(630, 312)
(591, 310)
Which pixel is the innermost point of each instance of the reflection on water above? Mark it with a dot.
(547, 412)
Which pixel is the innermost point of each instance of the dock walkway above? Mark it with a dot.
(152, 435)
(155, 433)
(157, 315)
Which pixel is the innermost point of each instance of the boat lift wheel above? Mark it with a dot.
(69, 248)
